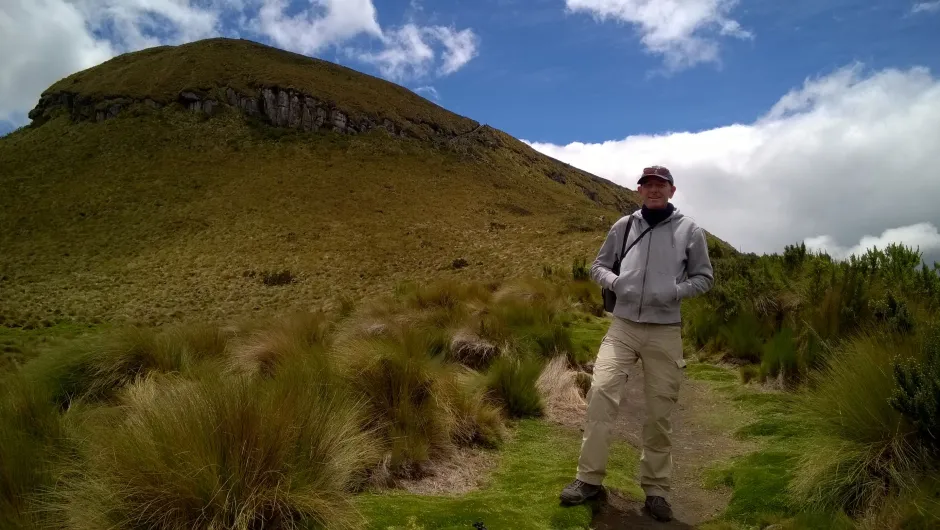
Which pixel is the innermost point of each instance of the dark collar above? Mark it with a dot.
(658, 215)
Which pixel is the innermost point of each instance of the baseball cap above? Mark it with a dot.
(658, 172)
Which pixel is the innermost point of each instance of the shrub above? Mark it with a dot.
(917, 394)
(701, 323)
(893, 314)
(587, 297)
(742, 337)
(513, 382)
(860, 449)
(780, 356)
(234, 453)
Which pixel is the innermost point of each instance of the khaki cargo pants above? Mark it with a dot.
(660, 348)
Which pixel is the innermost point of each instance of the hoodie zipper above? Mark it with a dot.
(649, 246)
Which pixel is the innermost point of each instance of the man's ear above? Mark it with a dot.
(672, 191)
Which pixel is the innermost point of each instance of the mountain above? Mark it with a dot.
(224, 178)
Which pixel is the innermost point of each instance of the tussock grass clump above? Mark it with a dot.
(477, 421)
(238, 453)
(262, 349)
(530, 321)
(405, 389)
(442, 294)
(562, 392)
(31, 441)
(469, 349)
(93, 370)
(274, 422)
(513, 382)
(860, 450)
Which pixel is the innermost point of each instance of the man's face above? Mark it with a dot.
(656, 192)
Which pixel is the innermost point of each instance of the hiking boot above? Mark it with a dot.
(659, 508)
(578, 492)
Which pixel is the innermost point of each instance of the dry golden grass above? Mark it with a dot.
(158, 218)
(160, 215)
(560, 391)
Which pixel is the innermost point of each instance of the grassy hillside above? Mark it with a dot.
(162, 72)
(161, 214)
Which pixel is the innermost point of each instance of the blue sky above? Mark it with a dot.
(549, 75)
(753, 103)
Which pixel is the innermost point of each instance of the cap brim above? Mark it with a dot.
(660, 177)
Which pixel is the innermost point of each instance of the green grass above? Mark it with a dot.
(759, 480)
(586, 337)
(708, 372)
(18, 345)
(522, 493)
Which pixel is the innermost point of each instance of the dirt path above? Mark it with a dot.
(703, 423)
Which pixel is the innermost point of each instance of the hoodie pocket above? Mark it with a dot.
(661, 290)
(629, 285)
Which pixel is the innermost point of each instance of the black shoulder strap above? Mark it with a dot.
(626, 234)
(635, 241)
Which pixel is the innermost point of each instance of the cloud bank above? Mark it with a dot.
(54, 38)
(845, 161)
(684, 32)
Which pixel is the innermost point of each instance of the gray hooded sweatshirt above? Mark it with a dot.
(668, 265)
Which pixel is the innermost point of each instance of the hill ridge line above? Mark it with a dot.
(276, 106)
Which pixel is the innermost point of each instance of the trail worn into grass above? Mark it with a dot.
(703, 425)
(522, 492)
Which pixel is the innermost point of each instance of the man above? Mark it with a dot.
(668, 263)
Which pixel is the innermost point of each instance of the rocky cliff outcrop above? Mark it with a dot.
(278, 107)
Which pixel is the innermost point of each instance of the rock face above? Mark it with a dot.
(278, 107)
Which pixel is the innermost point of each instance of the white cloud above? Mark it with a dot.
(327, 22)
(459, 47)
(844, 156)
(50, 40)
(684, 32)
(922, 236)
(406, 54)
(409, 51)
(55, 38)
(136, 24)
(926, 7)
(430, 91)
